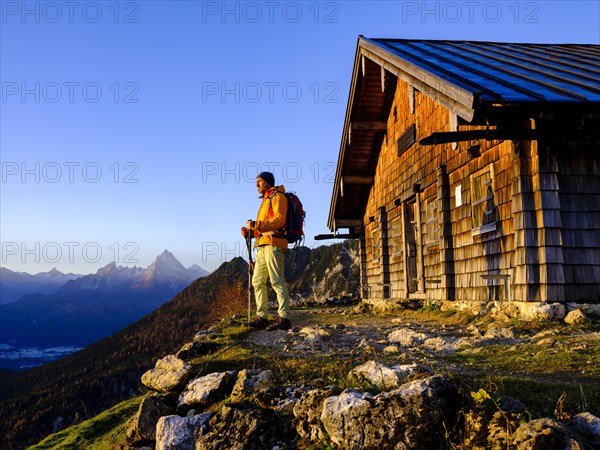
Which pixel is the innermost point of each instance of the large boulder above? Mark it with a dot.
(307, 412)
(414, 416)
(244, 429)
(576, 317)
(180, 433)
(142, 427)
(250, 382)
(544, 434)
(406, 337)
(382, 376)
(588, 425)
(169, 374)
(208, 388)
(541, 311)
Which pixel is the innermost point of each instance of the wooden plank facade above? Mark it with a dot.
(477, 220)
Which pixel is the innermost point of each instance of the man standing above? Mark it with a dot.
(271, 246)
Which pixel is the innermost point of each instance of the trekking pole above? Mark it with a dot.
(250, 264)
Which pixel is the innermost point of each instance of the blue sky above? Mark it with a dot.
(131, 127)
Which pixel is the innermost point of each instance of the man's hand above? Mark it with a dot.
(250, 224)
(245, 231)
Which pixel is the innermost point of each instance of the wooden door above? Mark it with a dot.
(410, 246)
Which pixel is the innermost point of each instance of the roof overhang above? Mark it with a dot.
(365, 126)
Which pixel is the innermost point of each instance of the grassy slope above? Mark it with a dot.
(106, 431)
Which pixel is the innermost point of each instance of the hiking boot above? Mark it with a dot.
(280, 324)
(259, 322)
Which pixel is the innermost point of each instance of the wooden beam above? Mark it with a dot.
(347, 223)
(515, 135)
(323, 237)
(382, 79)
(358, 179)
(369, 126)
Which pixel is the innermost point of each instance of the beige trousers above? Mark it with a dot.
(269, 265)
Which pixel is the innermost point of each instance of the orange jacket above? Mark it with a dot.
(271, 217)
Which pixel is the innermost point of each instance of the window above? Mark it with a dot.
(483, 205)
(408, 138)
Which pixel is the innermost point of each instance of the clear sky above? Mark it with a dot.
(131, 127)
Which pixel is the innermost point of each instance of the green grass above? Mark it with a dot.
(106, 431)
(540, 398)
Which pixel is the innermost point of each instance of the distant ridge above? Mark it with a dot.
(86, 309)
(13, 285)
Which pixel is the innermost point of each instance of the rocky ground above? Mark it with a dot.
(346, 378)
(550, 351)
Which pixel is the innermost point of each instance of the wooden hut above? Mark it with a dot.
(470, 171)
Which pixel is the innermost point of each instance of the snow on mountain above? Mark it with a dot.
(107, 277)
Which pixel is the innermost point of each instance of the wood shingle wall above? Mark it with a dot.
(479, 221)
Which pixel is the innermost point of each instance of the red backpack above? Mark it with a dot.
(293, 229)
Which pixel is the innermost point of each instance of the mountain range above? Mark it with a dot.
(43, 326)
(13, 285)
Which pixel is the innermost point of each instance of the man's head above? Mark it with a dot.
(264, 181)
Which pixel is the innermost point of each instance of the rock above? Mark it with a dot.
(250, 381)
(546, 342)
(312, 335)
(576, 317)
(544, 434)
(382, 376)
(541, 311)
(415, 415)
(545, 334)
(307, 412)
(406, 337)
(499, 333)
(169, 374)
(142, 427)
(391, 349)
(195, 349)
(180, 433)
(510, 404)
(587, 425)
(244, 429)
(207, 389)
(439, 344)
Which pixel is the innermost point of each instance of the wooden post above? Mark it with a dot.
(419, 244)
(446, 241)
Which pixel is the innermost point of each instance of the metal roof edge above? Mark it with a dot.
(457, 99)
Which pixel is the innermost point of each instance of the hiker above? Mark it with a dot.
(270, 252)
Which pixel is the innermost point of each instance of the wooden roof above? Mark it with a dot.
(467, 77)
